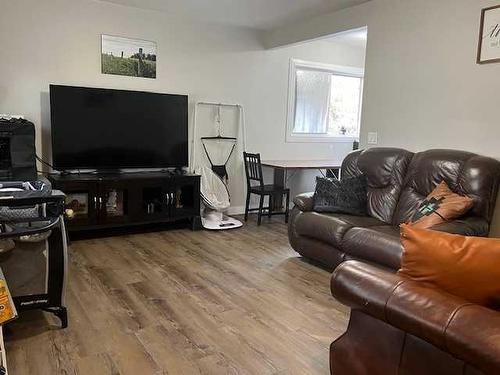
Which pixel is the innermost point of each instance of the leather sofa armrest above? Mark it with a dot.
(467, 331)
(471, 226)
(304, 202)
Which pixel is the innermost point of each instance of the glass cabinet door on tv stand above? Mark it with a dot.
(83, 201)
(154, 198)
(114, 202)
(184, 197)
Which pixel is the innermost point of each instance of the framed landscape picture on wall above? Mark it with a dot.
(128, 57)
(489, 36)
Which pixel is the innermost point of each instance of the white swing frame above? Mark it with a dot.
(241, 127)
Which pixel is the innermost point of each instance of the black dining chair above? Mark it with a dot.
(255, 185)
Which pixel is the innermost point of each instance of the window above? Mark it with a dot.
(324, 103)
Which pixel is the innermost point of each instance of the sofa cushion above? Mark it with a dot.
(465, 173)
(384, 169)
(330, 228)
(377, 244)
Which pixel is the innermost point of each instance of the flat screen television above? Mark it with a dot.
(94, 128)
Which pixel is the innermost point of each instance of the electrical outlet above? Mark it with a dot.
(372, 138)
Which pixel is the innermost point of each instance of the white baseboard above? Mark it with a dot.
(240, 210)
(236, 210)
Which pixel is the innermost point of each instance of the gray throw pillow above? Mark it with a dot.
(347, 196)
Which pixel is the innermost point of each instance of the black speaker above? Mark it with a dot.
(17, 150)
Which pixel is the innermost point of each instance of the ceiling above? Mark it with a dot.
(258, 14)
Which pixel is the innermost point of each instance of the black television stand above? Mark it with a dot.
(107, 200)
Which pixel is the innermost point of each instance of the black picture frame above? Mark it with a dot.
(480, 59)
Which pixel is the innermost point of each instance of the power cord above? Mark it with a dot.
(41, 172)
(46, 163)
(52, 167)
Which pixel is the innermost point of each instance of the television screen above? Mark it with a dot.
(111, 129)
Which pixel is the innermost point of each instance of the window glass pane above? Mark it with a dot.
(343, 119)
(312, 101)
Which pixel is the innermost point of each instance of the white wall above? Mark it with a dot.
(58, 41)
(423, 88)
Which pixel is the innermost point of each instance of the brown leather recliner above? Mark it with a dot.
(399, 326)
(398, 181)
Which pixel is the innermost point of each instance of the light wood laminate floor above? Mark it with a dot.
(182, 302)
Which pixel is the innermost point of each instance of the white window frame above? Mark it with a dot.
(295, 65)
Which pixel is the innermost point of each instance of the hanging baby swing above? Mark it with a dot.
(218, 150)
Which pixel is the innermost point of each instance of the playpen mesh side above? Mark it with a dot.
(5, 157)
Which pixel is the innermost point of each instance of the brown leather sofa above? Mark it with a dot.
(399, 326)
(398, 181)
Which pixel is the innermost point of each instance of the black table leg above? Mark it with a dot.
(280, 181)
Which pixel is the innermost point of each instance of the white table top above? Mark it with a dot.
(301, 164)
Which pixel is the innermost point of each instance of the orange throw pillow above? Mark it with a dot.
(441, 205)
(468, 267)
